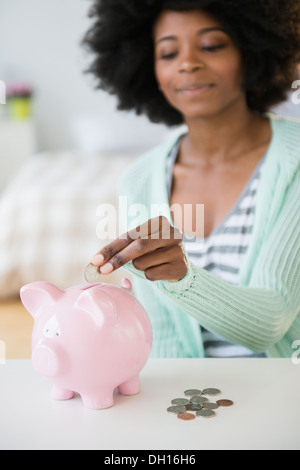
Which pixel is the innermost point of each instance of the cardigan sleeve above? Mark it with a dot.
(260, 314)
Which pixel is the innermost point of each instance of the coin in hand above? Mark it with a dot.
(92, 274)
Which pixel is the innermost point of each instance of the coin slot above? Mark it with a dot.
(92, 286)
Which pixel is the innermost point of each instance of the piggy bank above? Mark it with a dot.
(88, 339)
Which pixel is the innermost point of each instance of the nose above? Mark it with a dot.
(191, 62)
(46, 361)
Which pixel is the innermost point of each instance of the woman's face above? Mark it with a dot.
(198, 67)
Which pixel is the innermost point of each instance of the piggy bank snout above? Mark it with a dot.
(46, 361)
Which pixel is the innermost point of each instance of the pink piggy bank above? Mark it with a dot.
(88, 339)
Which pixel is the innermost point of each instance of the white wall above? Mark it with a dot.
(40, 44)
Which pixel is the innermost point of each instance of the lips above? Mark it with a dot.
(195, 87)
(195, 91)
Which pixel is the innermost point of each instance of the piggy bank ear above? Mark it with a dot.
(37, 294)
(126, 284)
(99, 305)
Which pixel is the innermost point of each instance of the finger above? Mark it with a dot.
(107, 252)
(158, 228)
(142, 231)
(158, 257)
(133, 251)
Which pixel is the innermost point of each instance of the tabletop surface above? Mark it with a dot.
(265, 415)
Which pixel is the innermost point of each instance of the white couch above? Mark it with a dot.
(48, 219)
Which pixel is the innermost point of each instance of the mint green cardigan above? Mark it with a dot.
(263, 311)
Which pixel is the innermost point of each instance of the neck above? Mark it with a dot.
(223, 137)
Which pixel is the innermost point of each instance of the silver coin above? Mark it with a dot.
(180, 401)
(193, 407)
(92, 274)
(176, 409)
(199, 400)
(206, 414)
(192, 392)
(211, 391)
(210, 406)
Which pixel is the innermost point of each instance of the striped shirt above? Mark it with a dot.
(223, 252)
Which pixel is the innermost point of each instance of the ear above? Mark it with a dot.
(37, 294)
(99, 305)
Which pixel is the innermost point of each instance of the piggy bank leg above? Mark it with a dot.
(61, 393)
(98, 401)
(132, 387)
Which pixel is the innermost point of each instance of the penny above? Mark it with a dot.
(180, 401)
(225, 403)
(210, 406)
(92, 274)
(192, 392)
(211, 391)
(199, 400)
(206, 414)
(186, 416)
(176, 409)
(193, 407)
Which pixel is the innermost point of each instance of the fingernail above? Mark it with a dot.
(97, 260)
(107, 268)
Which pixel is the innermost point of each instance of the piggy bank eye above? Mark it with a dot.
(51, 328)
(58, 333)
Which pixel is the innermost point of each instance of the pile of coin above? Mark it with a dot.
(198, 403)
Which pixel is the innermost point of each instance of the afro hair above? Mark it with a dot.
(267, 33)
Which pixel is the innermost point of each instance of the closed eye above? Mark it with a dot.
(214, 48)
(172, 55)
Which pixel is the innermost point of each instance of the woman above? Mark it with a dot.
(219, 66)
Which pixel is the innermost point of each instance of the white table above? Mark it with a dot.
(266, 414)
